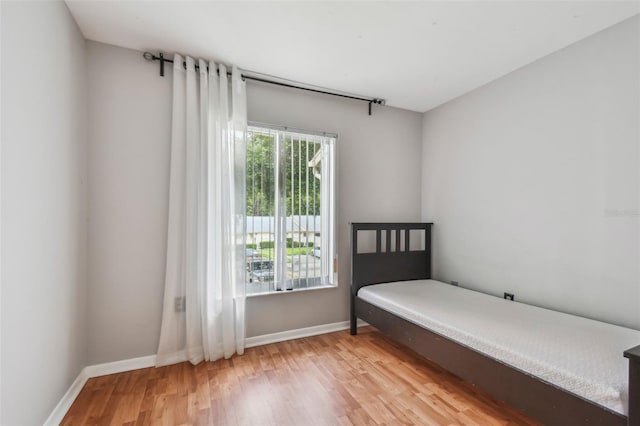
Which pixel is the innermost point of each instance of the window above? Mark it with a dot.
(290, 232)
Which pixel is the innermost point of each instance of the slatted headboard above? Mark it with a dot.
(389, 256)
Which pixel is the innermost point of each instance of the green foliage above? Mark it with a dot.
(269, 253)
(298, 250)
(302, 189)
(293, 244)
(290, 244)
(267, 244)
(251, 246)
(301, 200)
(260, 176)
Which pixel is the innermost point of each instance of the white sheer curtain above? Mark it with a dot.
(203, 313)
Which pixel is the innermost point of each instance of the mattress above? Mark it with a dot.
(580, 355)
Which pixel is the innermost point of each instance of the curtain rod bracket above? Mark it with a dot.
(161, 65)
(377, 101)
(151, 57)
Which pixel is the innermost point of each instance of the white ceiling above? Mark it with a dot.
(416, 55)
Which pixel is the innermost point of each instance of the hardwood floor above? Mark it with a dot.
(332, 379)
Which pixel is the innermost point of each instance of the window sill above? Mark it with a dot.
(296, 290)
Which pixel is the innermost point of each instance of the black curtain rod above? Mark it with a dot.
(151, 57)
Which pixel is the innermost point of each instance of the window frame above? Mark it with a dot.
(331, 256)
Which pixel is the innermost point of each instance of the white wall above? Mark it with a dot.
(129, 134)
(130, 110)
(44, 184)
(533, 181)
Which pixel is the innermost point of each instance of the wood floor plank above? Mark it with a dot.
(332, 379)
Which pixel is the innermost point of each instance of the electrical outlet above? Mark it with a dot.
(180, 304)
(455, 283)
(509, 296)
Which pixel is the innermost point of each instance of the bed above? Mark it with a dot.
(576, 372)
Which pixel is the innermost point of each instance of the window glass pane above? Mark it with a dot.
(260, 230)
(290, 223)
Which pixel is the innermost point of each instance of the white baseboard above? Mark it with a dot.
(120, 366)
(58, 413)
(283, 336)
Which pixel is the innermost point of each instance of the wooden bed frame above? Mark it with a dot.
(534, 397)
